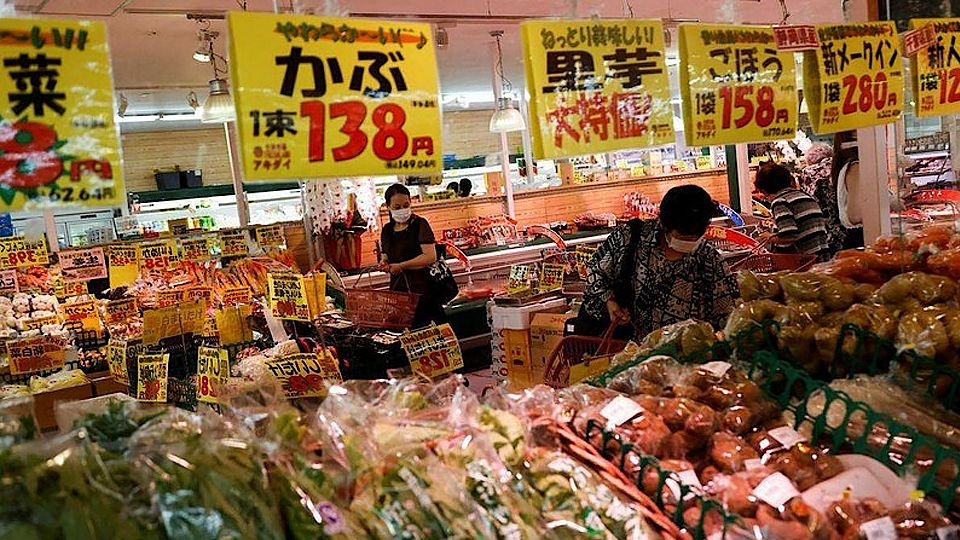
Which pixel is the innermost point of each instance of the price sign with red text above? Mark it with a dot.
(303, 374)
(152, 377)
(855, 78)
(37, 323)
(935, 69)
(199, 293)
(83, 264)
(236, 295)
(196, 249)
(158, 256)
(213, 370)
(9, 283)
(16, 252)
(117, 360)
(519, 279)
(319, 95)
(583, 255)
(432, 351)
(596, 86)
(736, 86)
(270, 236)
(66, 290)
(35, 354)
(551, 277)
(123, 265)
(82, 316)
(169, 297)
(233, 244)
(121, 310)
(288, 297)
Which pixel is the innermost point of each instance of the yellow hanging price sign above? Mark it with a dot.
(121, 310)
(551, 277)
(855, 78)
(152, 377)
(303, 374)
(288, 297)
(196, 249)
(236, 295)
(583, 255)
(736, 86)
(82, 316)
(318, 95)
(158, 256)
(16, 252)
(233, 244)
(60, 142)
(30, 355)
(169, 297)
(519, 279)
(270, 236)
(935, 69)
(123, 265)
(596, 86)
(213, 370)
(117, 360)
(432, 351)
(83, 264)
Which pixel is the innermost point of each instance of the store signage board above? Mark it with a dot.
(796, 37)
(169, 297)
(37, 323)
(288, 297)
(232, 324)
(519, 279)
(9, 284)
(158, 256)
(196, 249)
(120, 310)
(123, 265)
(185, 318)
(551, 277)
(213, 370)
(83, 264)
(583, 255)
(66, 290)
(855, 78)
(30, 355)
(596, 86)
(82, 316)
(735, 85)
(233, 244)
(16, 252)
(936, 69)
(237, 295)
(59, 140)
(117, 360)
(432, 351)
(152, 377)
(199, 293)
(270, 236)
(303, 374)
(319, 95)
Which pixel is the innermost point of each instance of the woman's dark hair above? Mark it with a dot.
(454, 187)
(687, 210)
(395, 189)
(772, 178)
(465, 186)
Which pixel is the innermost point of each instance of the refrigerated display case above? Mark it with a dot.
(74, 228)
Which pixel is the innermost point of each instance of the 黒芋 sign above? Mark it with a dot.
(596, 86)
(57, 132)
(855, 78)
(936, 68)
(736, 85)
(319, 95)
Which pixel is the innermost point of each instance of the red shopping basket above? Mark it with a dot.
(776, 262)
(579, 357)
(375, 308)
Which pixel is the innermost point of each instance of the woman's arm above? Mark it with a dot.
(427, 257)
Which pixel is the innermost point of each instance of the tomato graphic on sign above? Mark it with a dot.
(29, 158)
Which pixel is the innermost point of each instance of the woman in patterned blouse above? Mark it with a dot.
(672, 274)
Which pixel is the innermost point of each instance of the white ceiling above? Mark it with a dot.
(152, 41)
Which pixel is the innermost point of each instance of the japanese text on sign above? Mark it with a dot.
(120, 310)
(797, 37)
(66, 290)
(59, 139)
(270, 236)
(314, 94)
(432, 351)
(583, 255)
(82, 316)
(16, 252)
(196, 249)
(596, 86)
(213, 370)
(152, 377)
(83, 264)
(551, 277)
(236, 295)
(37, 323)
(169, 297)
(854, 79)
(117, 360)
(519, 280)
(233, 244)
(158, 256)
(936, 69)
(199, 293)
(736, 85)
(288, 297)
(35, 354)
(123, 265)
(302, 375)
(186, 318)
(8, 282)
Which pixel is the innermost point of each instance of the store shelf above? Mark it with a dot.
(208, 191)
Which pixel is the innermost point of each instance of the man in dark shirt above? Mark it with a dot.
(800, 225)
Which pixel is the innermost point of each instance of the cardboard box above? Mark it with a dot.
(519, 317)
(103, 386)
(546, 331)
(45, 403)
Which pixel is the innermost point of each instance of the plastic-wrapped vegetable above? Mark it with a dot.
(686, 336)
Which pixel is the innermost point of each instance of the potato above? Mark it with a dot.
(896, 291)
(836, 296)
(922, 332)
(802, 286)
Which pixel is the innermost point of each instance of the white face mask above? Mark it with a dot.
(683, 246)
(401, 215)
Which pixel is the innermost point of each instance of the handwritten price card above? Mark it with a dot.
(519, 280)
(432, 351)
(855, 78)
(935, 66)
(121, 310)
(596, 86)
(35, 354)
(736, 86)
(551, 277)
(123, 265)
(196, 249)
(83, 264)
(158, 256)
(288, 297)
(233, 244)
(213, 370)
(270, 236)
(319, 95)
(302, 375)
(152, 377)
(16, 252)
(583, 255)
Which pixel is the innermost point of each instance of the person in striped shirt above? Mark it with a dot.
(799, 222)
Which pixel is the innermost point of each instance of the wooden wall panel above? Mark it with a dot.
(204, 149)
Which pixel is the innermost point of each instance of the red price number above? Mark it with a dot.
(742, 107)
(389, 142)
(300, 384)
(157, 263)
(953, 76)
(19, 258)
(286, 308)
(866, 92)
(434, 362)
(206, 386)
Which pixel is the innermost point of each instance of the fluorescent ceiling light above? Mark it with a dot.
(156, 117)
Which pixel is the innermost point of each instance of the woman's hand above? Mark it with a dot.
(617, 314)
(394, 269)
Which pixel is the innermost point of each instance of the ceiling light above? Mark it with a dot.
(204, 51)
(202, 54)
(218, 107)
(442, 38)
(507, 118)
(122, 105)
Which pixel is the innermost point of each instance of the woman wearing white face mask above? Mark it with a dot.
(408, 250)
(649, 274)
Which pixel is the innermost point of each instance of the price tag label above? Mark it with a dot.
(82, 316)
(880, 529)
(8, 282)
(83, 264)
(37, 323)
(316, 285)
(776, 490)
(796, 37)
(123, 265)
(303, 374)
(288, 297)
(232, 326)
(169, 297)
(596, 86)
(519, 279)
(551, 277)
(432, 351)
(185, 318)
(935, 78)
(619, 411)
(67, 290)
(233, 244)
(121, 310)
(376, 111)
(237, 295)
(199, 293)
(152, 377)
(196, 249)
(117, 360)
(213, 370)
(158, 256)
(686, 478)
(16, 252)
(31, 355)
(736, 86)
(583, 255)
(854, 79)
(787, 436)
(270, 236)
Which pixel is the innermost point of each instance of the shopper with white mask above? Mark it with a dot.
(649, 274)
(408, 250)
